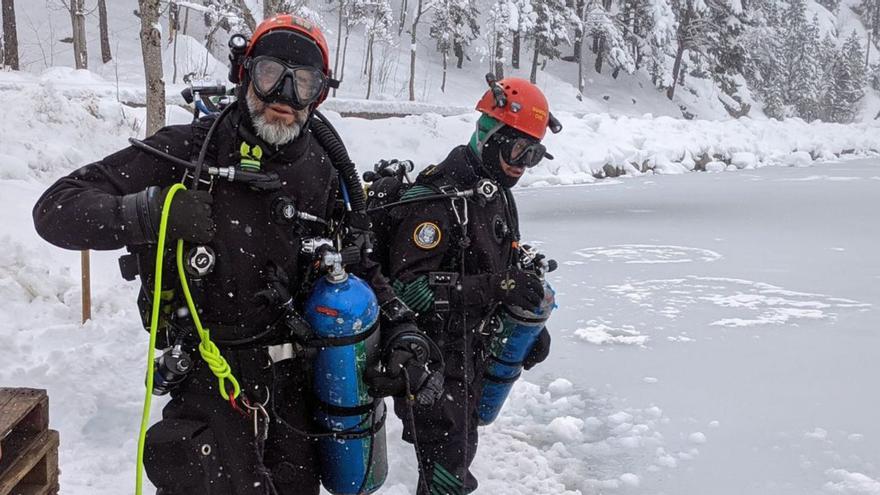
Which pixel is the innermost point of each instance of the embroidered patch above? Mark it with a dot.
(427, 235)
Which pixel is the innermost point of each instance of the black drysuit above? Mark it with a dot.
(461, 242)
(87, 210)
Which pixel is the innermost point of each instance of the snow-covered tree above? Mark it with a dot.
(552, 18)
(501, 21)
(453, 27)
(694, 24)
(524, 23)
(848, 82)
(610, 42)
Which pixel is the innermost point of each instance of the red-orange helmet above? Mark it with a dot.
(525, 106)
(298, 25)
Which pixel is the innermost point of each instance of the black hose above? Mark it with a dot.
(204, 151)
(332, 143)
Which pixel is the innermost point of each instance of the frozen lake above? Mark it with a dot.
(742, 305)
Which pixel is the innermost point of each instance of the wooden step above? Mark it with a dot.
(28, 449)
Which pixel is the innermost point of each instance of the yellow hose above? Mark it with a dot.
(207, 349)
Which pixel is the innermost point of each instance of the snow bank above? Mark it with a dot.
(62, 119)
(598, 146)
(66, 108)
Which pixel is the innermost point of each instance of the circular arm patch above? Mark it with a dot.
(427, 235)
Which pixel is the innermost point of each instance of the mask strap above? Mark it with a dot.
(482, 142)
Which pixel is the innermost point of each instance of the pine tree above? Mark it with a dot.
(454, 26)
(497, 36)
(613, 47)
(691, 34)
(848, 82)
(521, 25)
(549, 30)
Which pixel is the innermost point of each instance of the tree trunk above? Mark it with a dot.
(412, 52)
(676, 67)
(338, 41)
(185, 20)
(370, 69)
(367, 51)
(600, 54)
(514, 51)
(499, 58)
(534, 75)
(78, 23)
(10, 35)
(402, 22)
(344, 53)
(445, 58)
(579, 31)
(580, 60)
(173, 25)
(151, 47)
(106, 56)
(458, 50)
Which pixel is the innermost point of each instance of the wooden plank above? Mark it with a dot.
(16, 403)
(85, 265)
(43, 478)
(24, 414)
(15, 480)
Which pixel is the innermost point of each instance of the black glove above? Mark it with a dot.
(517, 288)
(539, 351)
(190, 216)
(408, 367)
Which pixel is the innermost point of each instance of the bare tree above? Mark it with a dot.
(412, 49)
(173, 29)
(106, 55)
(76, 8)
(10, 35)
(151, 47)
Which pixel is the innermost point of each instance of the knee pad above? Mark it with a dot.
(180, 456)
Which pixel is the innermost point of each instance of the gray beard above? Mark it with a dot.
(274, 133)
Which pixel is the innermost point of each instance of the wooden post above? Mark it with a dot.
(86, 288)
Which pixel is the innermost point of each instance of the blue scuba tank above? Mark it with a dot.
(343, 308)
(507, 350)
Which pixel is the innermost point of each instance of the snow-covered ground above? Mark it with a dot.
(716, 335)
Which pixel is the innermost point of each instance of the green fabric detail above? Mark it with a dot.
(417, 192)
(484, 124)
(251, 165)
(445, 483)
(250, 156)
(416, 294)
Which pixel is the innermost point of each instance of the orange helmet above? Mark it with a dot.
(298, 25)
(517, 103)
